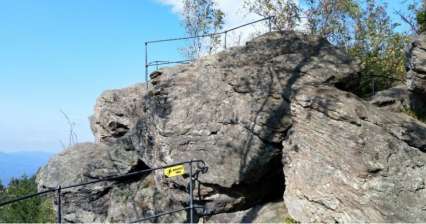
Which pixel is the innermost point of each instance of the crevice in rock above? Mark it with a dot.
(350, 84)
(269, 188)
(140, 165)
(118, 129)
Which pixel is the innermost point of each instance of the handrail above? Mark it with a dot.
(209, 34)
(148, 63)
(201, 165)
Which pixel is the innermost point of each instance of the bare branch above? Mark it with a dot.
(410, 21)
(72, 136)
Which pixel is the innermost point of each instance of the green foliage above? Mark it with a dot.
(201, 17)
(379, 48)
(1, 187)
(333, 19)
(287, 13)
(421, 21)
(28, 211)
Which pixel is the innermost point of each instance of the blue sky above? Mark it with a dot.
(61, 54)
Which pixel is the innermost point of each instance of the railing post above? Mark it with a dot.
(373, 85)
(146, 64)
(191, 198)
(58, 215)
(270, 23)
(226, 32)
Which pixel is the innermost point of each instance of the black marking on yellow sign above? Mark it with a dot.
(173, 171)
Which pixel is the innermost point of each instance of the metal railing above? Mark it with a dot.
(270, 20)
(224, 33)
(200, 168)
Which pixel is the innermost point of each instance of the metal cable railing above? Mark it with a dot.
(157, 63)
(200, 168)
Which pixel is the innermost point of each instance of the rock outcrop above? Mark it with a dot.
(122, 200)
(348, 161)
(416, 75)
(116, 112)
(268, 121)
(396, 99)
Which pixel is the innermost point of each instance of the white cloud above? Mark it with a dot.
(177, 5)
(235, 13)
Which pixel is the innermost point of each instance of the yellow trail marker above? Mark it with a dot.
(174, 171)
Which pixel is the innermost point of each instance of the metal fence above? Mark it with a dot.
(200, 168)
(156, 63)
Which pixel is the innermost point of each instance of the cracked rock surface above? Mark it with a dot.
(348, 161)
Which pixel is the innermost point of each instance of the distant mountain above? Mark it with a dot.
(16, 164)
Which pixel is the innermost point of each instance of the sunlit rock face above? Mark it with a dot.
(349, 161)
(270, 125)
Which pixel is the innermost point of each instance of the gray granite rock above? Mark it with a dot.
(416, 55)
(416, 75)
(273, 212)
(232, 110)
(395, 99)
(116, 111)
(121, 200)
(348, 161)
(247, 112)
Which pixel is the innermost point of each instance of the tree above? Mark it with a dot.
(332, 19)
(379, 47)
(1, 187)
(201, 17)
(2, 192)
(32, 210)
(286, 13)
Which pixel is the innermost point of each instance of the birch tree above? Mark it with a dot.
(201, 17)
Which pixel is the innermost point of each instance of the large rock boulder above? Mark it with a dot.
(348, 161)
(244, 111)
(231, 110)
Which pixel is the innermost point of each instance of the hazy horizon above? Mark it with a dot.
(16, 164)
